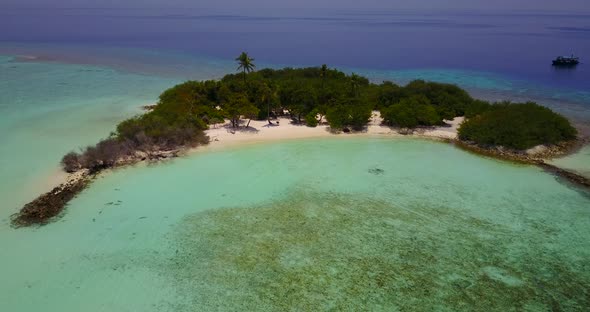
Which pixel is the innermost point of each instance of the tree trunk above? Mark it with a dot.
(248, 124)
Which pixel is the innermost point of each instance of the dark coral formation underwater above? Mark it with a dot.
(326, 251)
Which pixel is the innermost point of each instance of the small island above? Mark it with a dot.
(321, 100)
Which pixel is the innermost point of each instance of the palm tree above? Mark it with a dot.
(246, 64)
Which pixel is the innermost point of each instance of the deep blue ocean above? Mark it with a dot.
(518, 46)
(496, 55)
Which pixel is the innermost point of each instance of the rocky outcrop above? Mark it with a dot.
(50, 205)
(535, 156)
(565, 174)
(532, 156)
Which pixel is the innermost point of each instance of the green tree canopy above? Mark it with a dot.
(518, 126)
(411, 112)
(347, 101)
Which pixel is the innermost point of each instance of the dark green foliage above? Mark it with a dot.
(411, 112)
(303, 91)
(178, 120)
(160, 130)
(400, 115)
(311, 119)
(519, 126)
(359, 116)
(348, 114)
(346, 101)
(450, 101)
(422, 103)
(477, 107)
(337, 116)
(388, 94)
(185, 110)
(238, 105)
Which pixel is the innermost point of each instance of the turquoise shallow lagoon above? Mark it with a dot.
(48, 109)
(578, 162)
(345, 224)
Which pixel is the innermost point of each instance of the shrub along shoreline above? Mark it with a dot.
(308, 96)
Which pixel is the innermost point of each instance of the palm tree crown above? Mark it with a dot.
(246, 63)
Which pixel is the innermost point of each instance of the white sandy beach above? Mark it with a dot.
(223, 135)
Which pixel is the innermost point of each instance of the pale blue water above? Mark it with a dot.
(207, 231)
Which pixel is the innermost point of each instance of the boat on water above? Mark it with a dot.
(566, 61)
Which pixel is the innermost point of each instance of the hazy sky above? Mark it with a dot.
(581, 5)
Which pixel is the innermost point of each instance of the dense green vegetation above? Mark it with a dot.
(422, 103)
(308, 96)
(518, 126)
